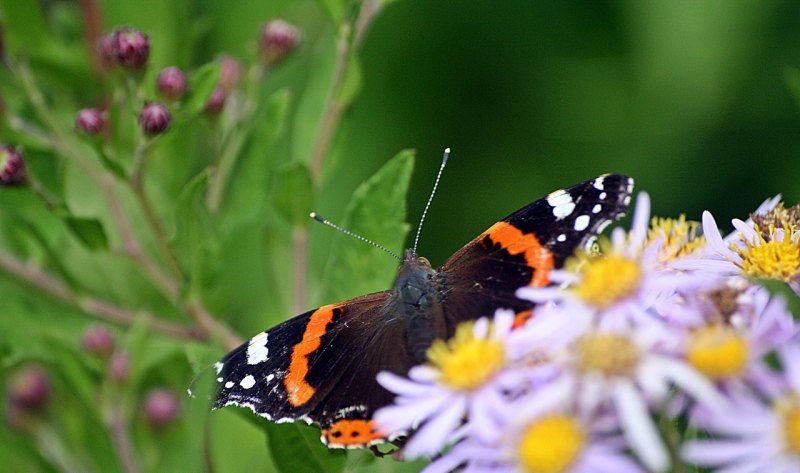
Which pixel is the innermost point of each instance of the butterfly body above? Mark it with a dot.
(320, 366)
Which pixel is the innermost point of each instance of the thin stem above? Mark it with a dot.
(91, 21)
(672, 439)
(333, 108)
(118, 427)
(131, 245)
(211, 326)
(157, 228)
(102, 309)
(300, 264)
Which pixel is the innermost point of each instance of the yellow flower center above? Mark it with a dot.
(718, 352)
(679, 237)
(607, 279)
(791, 429)
(466, 362)
(551, 444)
(606, 353)
(771, 258)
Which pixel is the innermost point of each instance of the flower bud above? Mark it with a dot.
(98, 340)
(12, 166)
(29, 388)
(161, 407)
(105, 50)
(171, 83)
(154, 118)
(230, 72)
(131, 47)
(119, 367)
(278, 39)
(216, 101)
(90, 120)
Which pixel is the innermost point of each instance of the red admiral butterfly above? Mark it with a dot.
(320, 366)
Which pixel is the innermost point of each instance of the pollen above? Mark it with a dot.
(551, 445)
(607, 279)
(606, 353)
(774, 258)
(678, 236)
(791, 427)
(465, 361)
(718, 352)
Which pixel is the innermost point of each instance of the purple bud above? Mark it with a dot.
(154, 118)
(171, 83)
(119, 367)
(98, 341)
(12, 166)
(90, 120)
(216, 101)
(131, 47)
(161, 407)
(29, 388)
(105, 50)
(230, 72)
(278, 39)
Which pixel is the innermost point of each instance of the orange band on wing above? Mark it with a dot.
(295, 382)
(515, 242)
(351, 433)
(520, 318)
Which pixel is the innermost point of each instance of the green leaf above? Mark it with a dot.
(791, 76)
(89, 231)
(294, 194)
(296, 447)
(377, 211)
(352, 81)
(201, 85)
(336, 9)
(195, 237)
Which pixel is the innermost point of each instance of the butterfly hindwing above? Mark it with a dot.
(313, 368)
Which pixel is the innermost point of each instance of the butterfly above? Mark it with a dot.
(320, 367)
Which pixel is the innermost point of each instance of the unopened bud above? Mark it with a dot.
(98, 341)
(29, 388)
(278, 40)
(119, 367)
(12, 166)
(161, 407)
(230, 72)
(154, 118)
(90, 120)
(131, 48)
(171, 83)
(216, 101)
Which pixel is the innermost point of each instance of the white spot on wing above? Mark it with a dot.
(598, 183)
(229, 385)
(582, 222)
(257, 351)
(219, 380)
(248, 382)
(270, 377)
(596, 208)
(218, 367)
(603, 196)
(561, 238)
(627, 200)
(561, 202)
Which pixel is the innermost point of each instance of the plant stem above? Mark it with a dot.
(300, 263)
(91, 22)
(118, 426)
(156, 227)
(102, 309)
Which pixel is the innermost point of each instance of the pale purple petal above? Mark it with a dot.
(641, 222)
(435, 433)
(639, 428)
(401, 385)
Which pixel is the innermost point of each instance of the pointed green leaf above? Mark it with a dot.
(89, 231)
(377, 211)
(293, 195)
(296, 447)
(201, 85)
(195, 238)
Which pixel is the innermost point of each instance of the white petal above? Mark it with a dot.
(641, 222)
(434, 434)
(639, 428)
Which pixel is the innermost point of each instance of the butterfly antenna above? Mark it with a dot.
(319, 218)
(430, 198)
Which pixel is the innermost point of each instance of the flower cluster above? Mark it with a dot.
(656, 349)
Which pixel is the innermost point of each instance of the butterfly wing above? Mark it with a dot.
(524, 247)
(320, 367)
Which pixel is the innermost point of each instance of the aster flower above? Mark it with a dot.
(543, 431)
(623, 282)
(464, 377)
(754, 434)
(767, 251)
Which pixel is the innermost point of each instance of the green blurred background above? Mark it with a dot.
(688, 97)
(697, 100)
